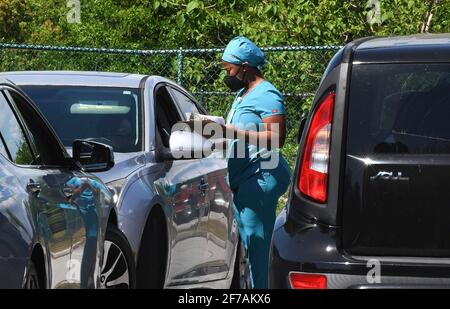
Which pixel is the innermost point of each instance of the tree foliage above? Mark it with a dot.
(202, 23)
(164, 24)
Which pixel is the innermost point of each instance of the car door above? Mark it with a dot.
(50, 217)
(87, 195)
(52, 182)
(186, 107)
(218, 220)
(181, 184)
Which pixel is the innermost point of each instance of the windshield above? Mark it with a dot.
(108, 115)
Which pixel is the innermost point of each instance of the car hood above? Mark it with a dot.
(124, 165)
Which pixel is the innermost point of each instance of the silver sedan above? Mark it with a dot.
(175, 214)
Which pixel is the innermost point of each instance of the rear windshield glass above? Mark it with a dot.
(399, 108)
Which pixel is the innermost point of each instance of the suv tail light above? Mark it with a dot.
(300, 281)
(314, 168)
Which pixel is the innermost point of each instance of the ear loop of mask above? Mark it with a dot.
(245, 72)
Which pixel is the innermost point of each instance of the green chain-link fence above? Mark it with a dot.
(295, 71)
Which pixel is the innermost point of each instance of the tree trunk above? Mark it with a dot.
(428, 17)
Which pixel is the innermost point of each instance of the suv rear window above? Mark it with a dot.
(399, 108)
(396, 197)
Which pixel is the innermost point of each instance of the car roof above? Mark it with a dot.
(77, 78)
(406, 41)
(4, 81)
(413, 48)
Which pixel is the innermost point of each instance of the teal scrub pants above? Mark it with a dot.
(254, 203)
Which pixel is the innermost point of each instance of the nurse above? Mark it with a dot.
(257, 173)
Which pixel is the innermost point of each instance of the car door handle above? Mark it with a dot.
(33, 187)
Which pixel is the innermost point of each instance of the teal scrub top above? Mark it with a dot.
(86, 199)
(247, 113)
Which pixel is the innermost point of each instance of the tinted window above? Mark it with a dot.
(186, 105)
(402, 108)
(13, 135)
(108, 115)
(166, 115)
(43, 144)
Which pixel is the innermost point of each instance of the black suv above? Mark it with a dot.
(370, 202)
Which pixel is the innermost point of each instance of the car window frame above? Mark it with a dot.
(18, 117)
(7, 155)
(158, 141)
(200, 108)
(30, 136)
(69, 164)
(193, 100)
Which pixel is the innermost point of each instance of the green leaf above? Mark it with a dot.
(180, 19)
(192, 6)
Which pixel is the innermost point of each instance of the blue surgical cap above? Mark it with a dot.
(240, 49)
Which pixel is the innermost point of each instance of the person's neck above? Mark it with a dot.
(253, 83)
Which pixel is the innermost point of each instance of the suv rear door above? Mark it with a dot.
(396, 192)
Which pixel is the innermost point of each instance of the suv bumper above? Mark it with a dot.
(303, 247)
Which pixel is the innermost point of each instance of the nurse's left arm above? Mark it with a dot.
(274, 134)
(276, 129)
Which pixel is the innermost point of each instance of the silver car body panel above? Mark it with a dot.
(201, 254)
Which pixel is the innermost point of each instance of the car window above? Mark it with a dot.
(399, 108)
(186, 105)
(167, 114)
(44, 144)
(109, 115)
(29, 125)
(3, 150)
(13, 135)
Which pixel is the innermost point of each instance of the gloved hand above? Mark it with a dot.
(205, 127)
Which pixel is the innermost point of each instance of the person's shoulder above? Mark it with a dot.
(271, 90)
(269, 101)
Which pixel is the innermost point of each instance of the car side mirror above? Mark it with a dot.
(186, 145)
(93, 156)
